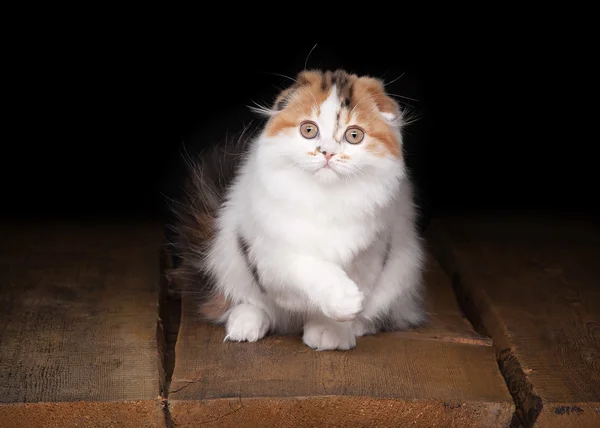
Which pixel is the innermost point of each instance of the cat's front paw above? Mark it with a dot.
(324, 335)
(246, 323)
(343, 302)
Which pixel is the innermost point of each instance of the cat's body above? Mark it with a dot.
(314, 228)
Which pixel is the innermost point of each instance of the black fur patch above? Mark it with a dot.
(339, 78)
(386, 253)
(281, 104)
(324, 82)
(347, 98)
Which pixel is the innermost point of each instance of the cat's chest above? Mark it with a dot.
(327, 234)
(334, 226)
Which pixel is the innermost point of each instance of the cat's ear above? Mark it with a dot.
(388, 108)
(281, 101)
(283, 98)
(309, 78)
(304, 78)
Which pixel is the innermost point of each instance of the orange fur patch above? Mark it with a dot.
(376, 149)
(343, 158)
(371, 95)
(303, 97)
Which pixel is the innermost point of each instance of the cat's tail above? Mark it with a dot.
(192, 226)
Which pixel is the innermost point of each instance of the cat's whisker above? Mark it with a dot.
(308, 56)
(408, 117)
(403, 97)
(396, 79)
(282, 75)
(262, 110)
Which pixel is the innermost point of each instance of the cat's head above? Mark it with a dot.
(335, 126)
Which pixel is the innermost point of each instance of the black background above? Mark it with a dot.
(99, 123)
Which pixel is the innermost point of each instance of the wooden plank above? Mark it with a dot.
(86, 414)
(444, 374)
(337, 411)
(78, 319)
(446, 321)
(533, 284)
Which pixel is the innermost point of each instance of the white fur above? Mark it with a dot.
(317, 236)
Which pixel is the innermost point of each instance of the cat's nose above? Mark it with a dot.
(328, 155)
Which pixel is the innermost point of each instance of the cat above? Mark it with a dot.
(307, 225)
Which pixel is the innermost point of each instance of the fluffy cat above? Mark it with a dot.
(309, 225)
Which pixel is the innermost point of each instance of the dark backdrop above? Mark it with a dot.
(100, 124)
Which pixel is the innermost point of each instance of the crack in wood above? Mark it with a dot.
(167, 328)
(474, 303)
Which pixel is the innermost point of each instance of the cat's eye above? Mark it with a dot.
(309, 129)
(354, 135)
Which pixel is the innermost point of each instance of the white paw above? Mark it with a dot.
(343, 301)
(246, 323)
(329, 335)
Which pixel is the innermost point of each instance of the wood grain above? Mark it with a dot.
(341, 411)
(436, 376)
(446, 321)
(534, 282)
(85, 414)
(78, 320)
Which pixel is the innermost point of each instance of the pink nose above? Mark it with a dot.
(328, 155)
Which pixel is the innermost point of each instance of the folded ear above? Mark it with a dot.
(388, 108)
(304, 78)
(282, 99)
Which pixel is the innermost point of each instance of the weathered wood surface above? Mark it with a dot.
(534, 285)
(83, 414)
(78, 323)
(442, 375)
